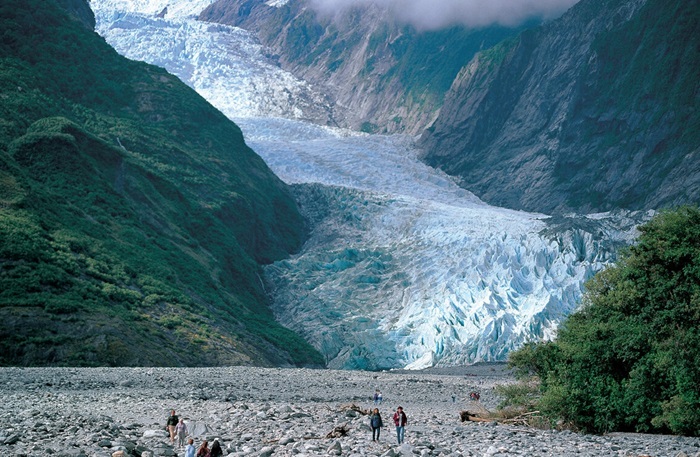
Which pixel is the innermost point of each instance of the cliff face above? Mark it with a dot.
(383, 76)
(594, 111)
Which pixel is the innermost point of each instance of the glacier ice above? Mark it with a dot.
(222, 63)
(403, 268)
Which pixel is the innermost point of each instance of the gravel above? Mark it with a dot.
(261, 412)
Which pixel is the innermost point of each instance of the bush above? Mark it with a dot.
(629, 359)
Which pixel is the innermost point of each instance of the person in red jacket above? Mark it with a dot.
(400, 420)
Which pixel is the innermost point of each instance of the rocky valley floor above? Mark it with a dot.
(262, 412)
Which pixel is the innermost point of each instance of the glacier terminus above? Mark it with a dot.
(402, 268)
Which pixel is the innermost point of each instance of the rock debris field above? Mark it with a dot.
(261, 412)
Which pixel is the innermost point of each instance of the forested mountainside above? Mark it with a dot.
(594, 111)
(383, 76)
(133, 218)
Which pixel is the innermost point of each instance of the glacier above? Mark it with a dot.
(403, 268)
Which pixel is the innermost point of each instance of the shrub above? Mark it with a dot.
(628, 360)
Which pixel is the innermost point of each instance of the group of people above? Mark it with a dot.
(178, 432)
(400, 421)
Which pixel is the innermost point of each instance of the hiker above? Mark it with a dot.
(171, 424)
(216, 450)
(400, 420)
(203, 450)
(190, 449)
(375, 423)
(181, 433)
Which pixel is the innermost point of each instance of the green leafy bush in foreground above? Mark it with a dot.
(629, 359)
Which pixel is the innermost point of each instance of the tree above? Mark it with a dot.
(629, 358)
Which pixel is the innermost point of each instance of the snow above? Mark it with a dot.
(403, 268)
(179, 9)
(224, 64)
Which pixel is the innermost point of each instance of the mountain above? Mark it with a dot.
(402, 267)
(381, 75)
(596, 110)
(134, 220)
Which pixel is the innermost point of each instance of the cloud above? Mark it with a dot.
(435, 14)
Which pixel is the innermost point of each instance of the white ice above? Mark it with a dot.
(403, 268)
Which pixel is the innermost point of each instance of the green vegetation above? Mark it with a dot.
(496, 55)
(428, 62)
(133, 217)
(629, 359)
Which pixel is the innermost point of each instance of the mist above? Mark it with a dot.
(436, 14)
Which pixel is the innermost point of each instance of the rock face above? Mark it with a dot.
(264, 412)
(594, 111)
(383, 76)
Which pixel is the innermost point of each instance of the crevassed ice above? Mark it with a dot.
(175, 9)
(277, 3)
(224, 64)
(403, 268)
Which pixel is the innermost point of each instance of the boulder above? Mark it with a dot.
(198, 429)
(155, 434)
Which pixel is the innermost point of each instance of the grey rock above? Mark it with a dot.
(545, 151)
(335, 449)
(198, 429)
(155, 434)
(266, 451)
(71, 453)
(12, 439)
(163, 450)
(424, 436)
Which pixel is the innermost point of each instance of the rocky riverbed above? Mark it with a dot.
(261, 412)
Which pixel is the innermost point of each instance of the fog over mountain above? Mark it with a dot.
(402, 267)
(436, 14)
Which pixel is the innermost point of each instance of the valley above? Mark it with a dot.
(402, 268)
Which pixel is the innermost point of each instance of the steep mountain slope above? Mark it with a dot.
(402, 267)
(133, 217)
(596, 110)
(383, 76)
